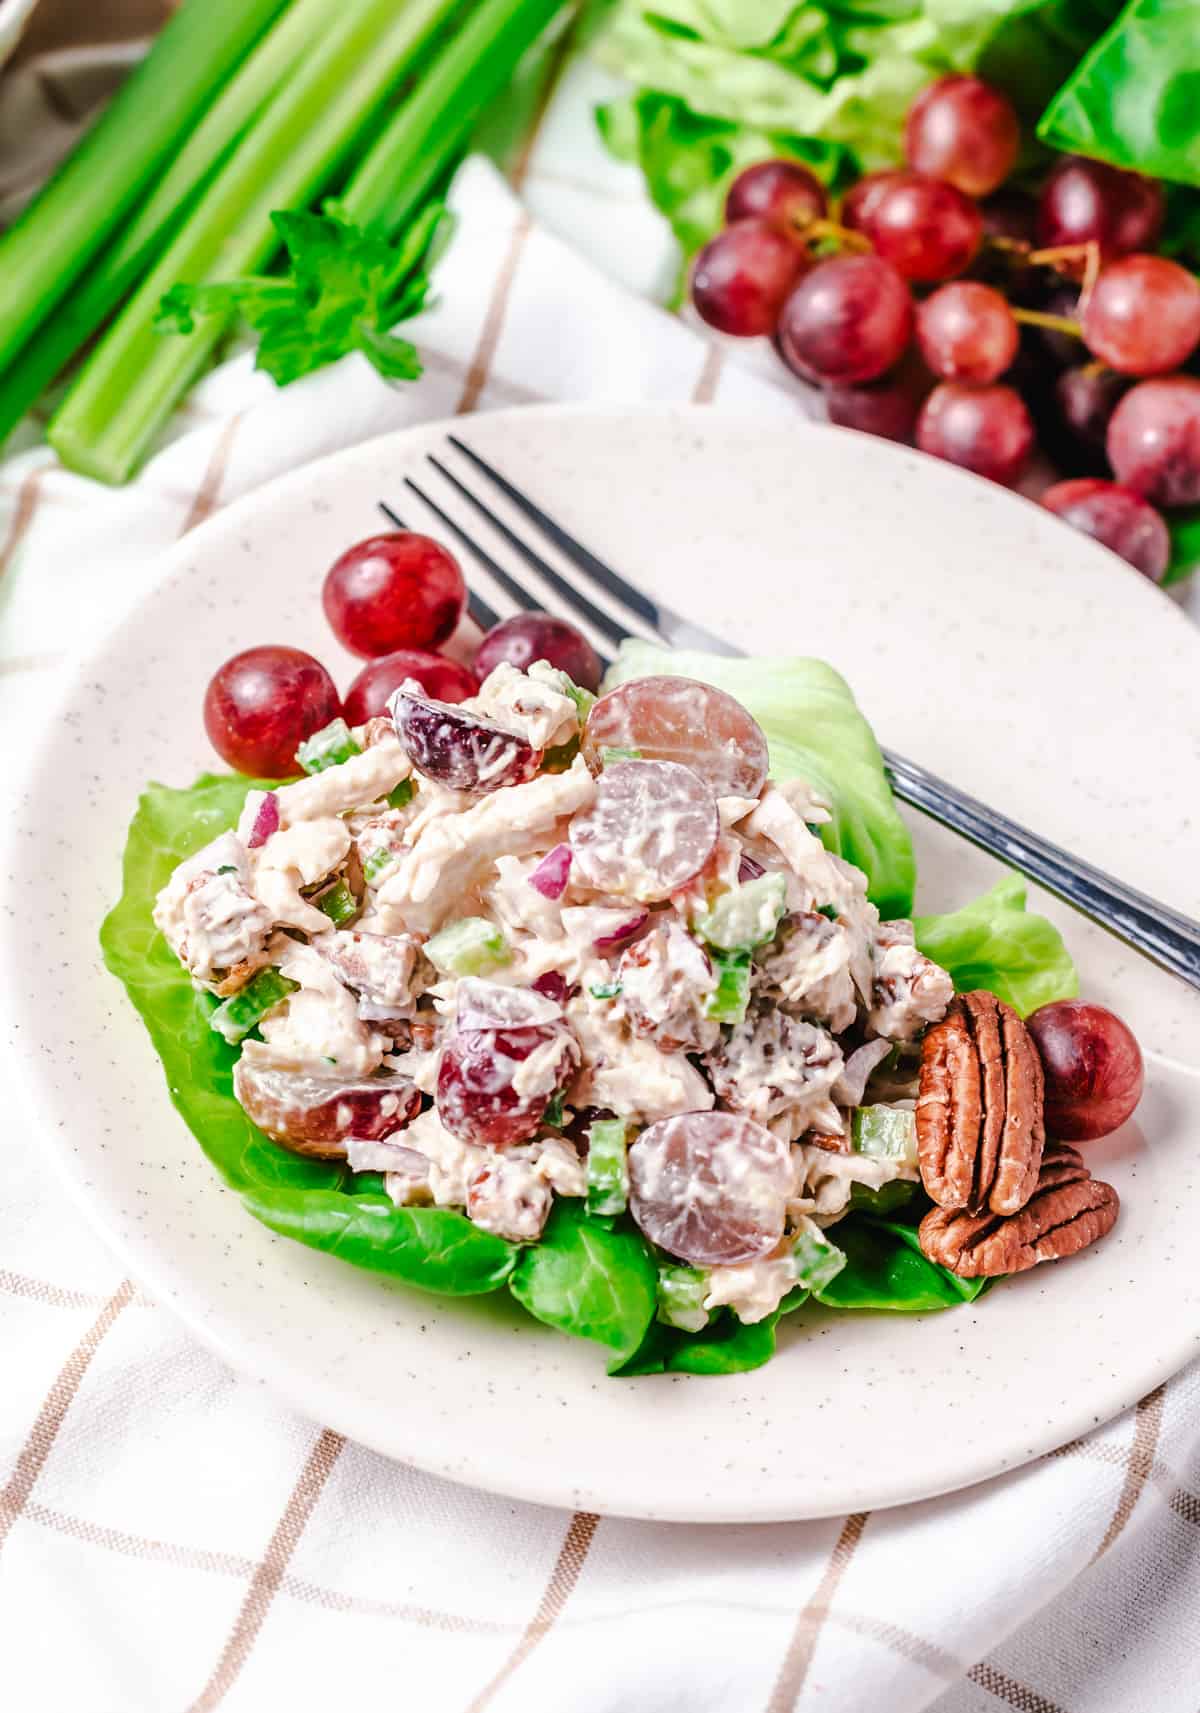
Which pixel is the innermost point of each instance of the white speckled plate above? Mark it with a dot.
(982, 637)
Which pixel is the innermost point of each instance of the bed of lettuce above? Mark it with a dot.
(594, 1278)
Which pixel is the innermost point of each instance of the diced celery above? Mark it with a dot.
(339, 904)
(605, 990)
(400, 796)
(816, 1259)
(681, 1293)
(553, 1115)
(557, 679)
(378, 863)
(471, 946)
(559, 757)
(728, 1001)
(330, 747)
(614, 752)
(241, 1012)
(885, 1133)
(745, 916)
(607, 1167)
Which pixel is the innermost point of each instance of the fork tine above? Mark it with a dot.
(509, 584)
(392, 516)
(594, 615)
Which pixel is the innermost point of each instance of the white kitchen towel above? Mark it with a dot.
(172, 1538)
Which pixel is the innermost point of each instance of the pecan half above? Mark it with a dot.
(1068, 1210)
(980, 1131)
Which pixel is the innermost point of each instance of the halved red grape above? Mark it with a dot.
(666, 718)
(741, 277)
(962, 130)
(710, 1188)
(1093, 1066)
(783, 193)
(1143, 315)
(1117, 518)
(1154, 440)
(443, 680)
(966, 332)
(314, 1116)
(652, 826)
(393, 591)
(527, 637)
(862, 197)
(463, 750)
(984, 429)
(483, 1004)
(927, 230)
(847, 321)
(261, 705)
(1084, 201)
(476, 1099)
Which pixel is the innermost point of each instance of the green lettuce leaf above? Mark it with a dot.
(995, 943)
(317, 1202)
(589, 1278)
(885, 1269)
(817, 732)
(1185, 544)
(1134, 98)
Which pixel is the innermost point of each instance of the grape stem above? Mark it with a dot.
(1059, 323)
(1088, 254)
(814, 230)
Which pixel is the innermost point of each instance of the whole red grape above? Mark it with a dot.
(527, 637)
(927, 230)
(962, 130)
(848, 320)
(262, 704)
(984, 429)
(1085, 200)
(862, 197)
(444, 680)
(1086, 399)
(1010, 213)
(393, 591)
(1093, 1066)
(1143, 315)
(783, 193)
(887, 408)
(1117, 518)
(1154, 440)
(742, 276)
(966, 332)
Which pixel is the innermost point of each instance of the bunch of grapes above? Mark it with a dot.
(945, 308)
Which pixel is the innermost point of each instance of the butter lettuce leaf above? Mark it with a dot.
(996, 943)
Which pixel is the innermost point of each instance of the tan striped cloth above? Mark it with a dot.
(172, 1540)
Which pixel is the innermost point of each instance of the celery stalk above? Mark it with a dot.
(136, 246)
(435, 121)
(134, 378)
(62, 229)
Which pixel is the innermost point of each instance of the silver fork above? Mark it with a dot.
(1164, 935)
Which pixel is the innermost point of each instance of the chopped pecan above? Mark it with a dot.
(980, 1130)
(1068, 1210)
(831, 1144)
(235, 979)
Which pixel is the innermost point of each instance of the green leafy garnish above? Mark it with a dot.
(997, 944)
(400, 796)
(347, 287)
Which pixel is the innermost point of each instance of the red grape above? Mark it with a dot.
(1154, 440)
(1084, 201)
(442, 679)
(1086, 400)
(1061, 299)
(393, 591)
(927, 230)
(460, 749)
(1117, 518)
(861, 198)
(1093, 1066)
(1012, 214)
(476, 1100)
(985, 429)
(847, 321)
(962, 130)
(710, 1187)
(1143, 315)
(527, 637)
(312, 1115)
(742, 276)
(966, 332)
(783, 193)
(887, 408)
(651, 828)
(679, 719)
(261, 705)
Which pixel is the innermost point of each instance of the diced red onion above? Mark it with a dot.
(553, 985)
(551, 874)
(622, 931)
(852, 1084)
(266, 821)
(748, 869)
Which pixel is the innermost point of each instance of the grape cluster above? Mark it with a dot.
(940, 306)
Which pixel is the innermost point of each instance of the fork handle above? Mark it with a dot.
(1166, 936)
